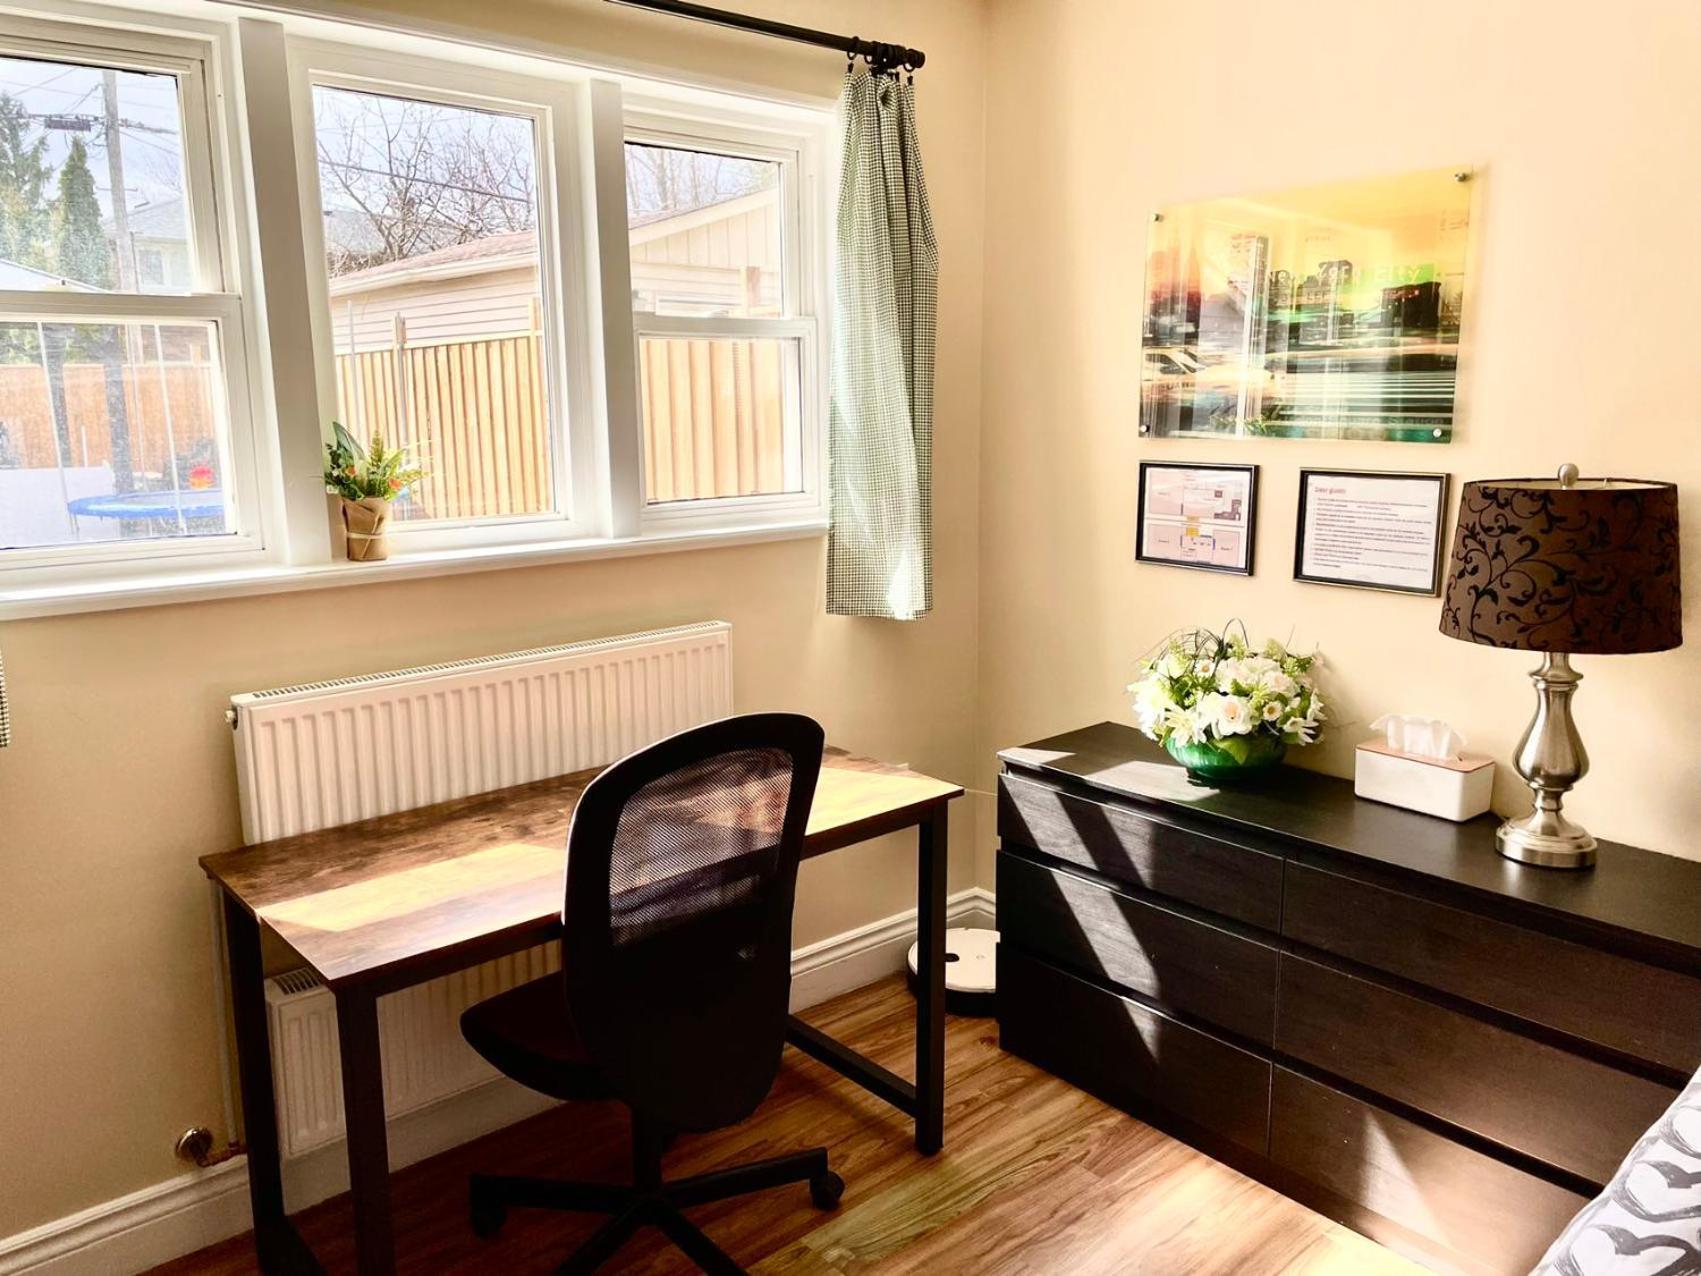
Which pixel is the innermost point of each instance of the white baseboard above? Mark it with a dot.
(200, 1208)
(138, 1231)
(856, 958)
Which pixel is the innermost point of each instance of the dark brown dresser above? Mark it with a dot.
(1367, 1008)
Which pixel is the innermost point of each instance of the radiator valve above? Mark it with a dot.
(195, 1145)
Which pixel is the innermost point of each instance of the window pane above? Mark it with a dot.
(431, 246)
(70, 136)
(110, 432)
(706, 233)
(721, 417)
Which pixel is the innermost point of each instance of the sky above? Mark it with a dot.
(67, 101)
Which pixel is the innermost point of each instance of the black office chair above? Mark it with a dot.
(681, 872)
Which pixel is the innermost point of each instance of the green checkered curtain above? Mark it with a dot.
(880, 549)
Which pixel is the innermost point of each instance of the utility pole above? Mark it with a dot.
(117, 402)
(124, 251)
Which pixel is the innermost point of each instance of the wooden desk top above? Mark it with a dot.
(375, 900)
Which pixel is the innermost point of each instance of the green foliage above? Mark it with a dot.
(79, 241)
(25, 224)
(354, 472)
(26, 221)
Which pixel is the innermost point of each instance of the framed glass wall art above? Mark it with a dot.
(1320, 312)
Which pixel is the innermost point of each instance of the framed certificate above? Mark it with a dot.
(1199, 516)
(1371, 529)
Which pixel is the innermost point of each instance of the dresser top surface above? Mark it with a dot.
(1631, 891)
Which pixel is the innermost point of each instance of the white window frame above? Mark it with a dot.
(200, 60)
(798, 150)
(265, 224)
(554, 109)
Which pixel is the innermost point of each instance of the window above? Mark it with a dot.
(721, 317)
(588, 303)
(116, 425)
(436, 297)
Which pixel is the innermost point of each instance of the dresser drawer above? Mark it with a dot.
(1217, 875)
(1127, 1053)
(1555, 1106)
(1186, 964)
(1495, 1217)
(1644, 1011)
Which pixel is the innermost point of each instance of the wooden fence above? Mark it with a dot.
(473, 411)
(169, 407)
(713, 418)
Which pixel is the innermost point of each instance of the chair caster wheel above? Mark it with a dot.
(825, 1190)
(487, 1216)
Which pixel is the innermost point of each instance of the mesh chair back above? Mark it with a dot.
(681, 872)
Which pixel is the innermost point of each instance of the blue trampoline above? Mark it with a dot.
(196, 505)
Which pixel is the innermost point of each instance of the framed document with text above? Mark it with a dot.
(1371, 529)
(1197, 516)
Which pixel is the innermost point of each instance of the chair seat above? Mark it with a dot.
(526, 1033)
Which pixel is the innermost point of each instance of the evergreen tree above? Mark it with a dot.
(81, 253)
(80, 249)
(25, 224)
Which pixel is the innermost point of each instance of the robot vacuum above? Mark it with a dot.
(971, 970)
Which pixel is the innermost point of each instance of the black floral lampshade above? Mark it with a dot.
(1588, 566)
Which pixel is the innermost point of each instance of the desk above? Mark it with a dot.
(387, 903)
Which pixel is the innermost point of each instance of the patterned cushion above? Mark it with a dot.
(1648, 1220)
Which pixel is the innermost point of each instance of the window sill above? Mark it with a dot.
(20, 603)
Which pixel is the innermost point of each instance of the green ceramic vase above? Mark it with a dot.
(1239, 757)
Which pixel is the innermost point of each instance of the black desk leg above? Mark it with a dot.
(273, 1232)
(930, 990)
(368, 1149)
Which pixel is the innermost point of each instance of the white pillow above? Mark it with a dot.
(1647, 1222)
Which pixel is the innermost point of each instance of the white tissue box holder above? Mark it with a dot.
(1452, 788)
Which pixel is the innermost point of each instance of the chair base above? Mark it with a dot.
(650, 1202)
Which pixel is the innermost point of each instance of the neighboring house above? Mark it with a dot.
(159, 246)
(710, 260)
(159, 243)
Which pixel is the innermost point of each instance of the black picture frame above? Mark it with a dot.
(1142, 549)
(1443, 484)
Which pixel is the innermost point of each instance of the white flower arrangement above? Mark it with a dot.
(1208, 688)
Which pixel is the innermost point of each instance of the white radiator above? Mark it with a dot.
(328, 753)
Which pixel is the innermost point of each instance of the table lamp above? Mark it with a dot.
(1566, 566)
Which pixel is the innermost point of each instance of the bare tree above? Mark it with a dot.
(419, 175)
(664, 180)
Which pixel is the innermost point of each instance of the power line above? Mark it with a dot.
(425, 181)
(86, 123)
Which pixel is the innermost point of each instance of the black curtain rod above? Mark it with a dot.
(881, 56)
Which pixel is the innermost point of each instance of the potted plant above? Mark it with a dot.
(1223, 710)
(367, 479)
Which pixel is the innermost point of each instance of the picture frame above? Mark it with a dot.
(1325, 311)
(1201, 515)
(1371, 529)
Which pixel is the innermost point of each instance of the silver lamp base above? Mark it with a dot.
(1551, 758)
(1540, 838)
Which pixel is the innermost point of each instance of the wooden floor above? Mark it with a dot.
(1036, 1178)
